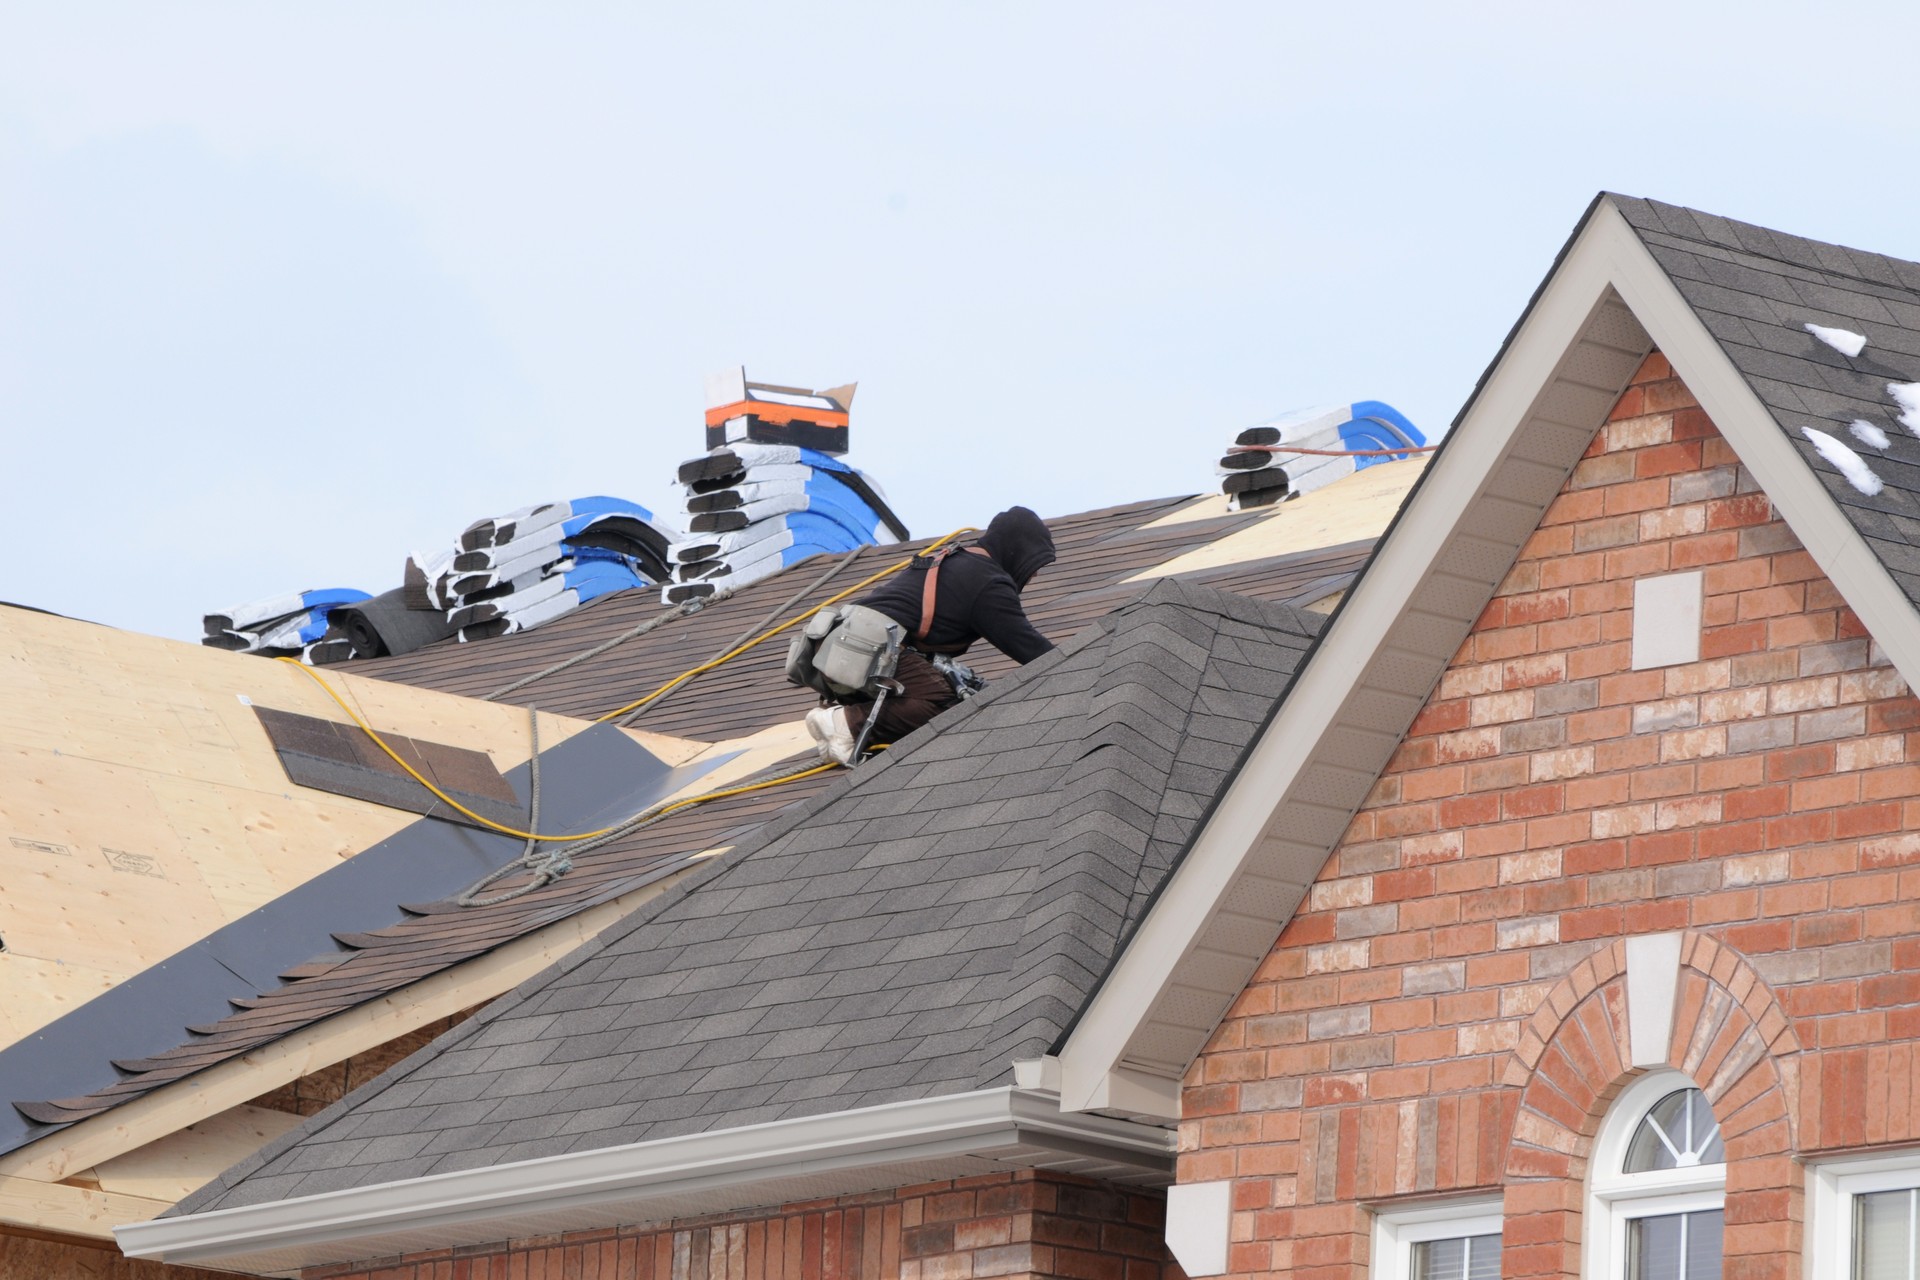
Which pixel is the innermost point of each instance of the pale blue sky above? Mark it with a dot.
(288, 291)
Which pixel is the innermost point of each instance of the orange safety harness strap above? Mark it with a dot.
(928, 588)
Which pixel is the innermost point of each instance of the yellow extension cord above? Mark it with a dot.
(795, 621)
(677, 805)
(502, 828)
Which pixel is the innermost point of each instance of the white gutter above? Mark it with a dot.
(750, 1166)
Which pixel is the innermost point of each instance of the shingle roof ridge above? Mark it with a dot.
(1271, 614)
(1076, 911)
(1116, 805)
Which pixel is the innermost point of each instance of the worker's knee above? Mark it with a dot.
(901, 716)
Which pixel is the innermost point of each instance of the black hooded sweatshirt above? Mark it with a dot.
(975, 596)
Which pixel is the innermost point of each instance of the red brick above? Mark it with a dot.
(1737, 512)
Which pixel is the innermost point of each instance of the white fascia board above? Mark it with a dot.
(1097, 1046)
(1762, 443)
(628, 1176)
(1129, 1092)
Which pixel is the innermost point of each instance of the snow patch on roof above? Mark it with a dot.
(1846, 461)
(1845, 341)
(1868, 434)
(1907, 396)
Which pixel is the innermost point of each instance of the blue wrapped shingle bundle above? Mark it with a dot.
(1259, 469)
(277, 626)
(753, 509)
(514, 572)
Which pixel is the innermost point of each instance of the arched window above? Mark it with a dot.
(1657, 1184)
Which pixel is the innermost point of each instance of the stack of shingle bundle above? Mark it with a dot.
(772, 490)
(277, 626)
(505, 574)
(513, 572)
(374, 628)
(1325, 444)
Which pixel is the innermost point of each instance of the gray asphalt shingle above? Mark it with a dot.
(935, 917)
(1756, 291)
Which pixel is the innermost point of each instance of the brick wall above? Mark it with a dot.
(1444, 1012)
(1013, 1225)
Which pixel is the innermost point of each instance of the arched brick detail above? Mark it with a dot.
(1573, 1059)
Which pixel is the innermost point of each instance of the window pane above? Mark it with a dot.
(1675, 1246)
(1883, 1243)
(1704, 1232)
(1653, 1248)
(1440, 1260)
(1678, 1131)
(1483, 1258)
(1462, 1258)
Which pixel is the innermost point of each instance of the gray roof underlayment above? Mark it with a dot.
(1756, 290)
(590, 779)
(944, 911)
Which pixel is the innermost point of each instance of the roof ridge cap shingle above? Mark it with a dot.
(1059, 966)
(1224, 603)
(1076, 911)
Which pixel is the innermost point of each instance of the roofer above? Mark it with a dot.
(927, 615)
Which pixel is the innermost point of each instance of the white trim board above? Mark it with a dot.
(812, 1157)
(1831, 1187)
(1606, 304)
(1397, 1229)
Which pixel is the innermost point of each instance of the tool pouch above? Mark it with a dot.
(844, 652)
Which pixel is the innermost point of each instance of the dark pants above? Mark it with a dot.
(927, 694)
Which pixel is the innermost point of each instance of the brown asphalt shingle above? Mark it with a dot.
(1098, 550)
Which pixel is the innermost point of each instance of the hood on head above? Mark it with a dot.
(1019, 542)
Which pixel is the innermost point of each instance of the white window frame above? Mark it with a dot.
(1396, 1231)
(1615, 1198)
(1831, 1187)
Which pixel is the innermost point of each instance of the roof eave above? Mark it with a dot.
(1605, 303)
(751, 1166)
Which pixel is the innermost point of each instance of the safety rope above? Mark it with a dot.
(765, 636)
(686, 608)
(502, 828)
(543, 867)
(546, 865)
(1332, 453)
(832, 572)
(416, 775)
